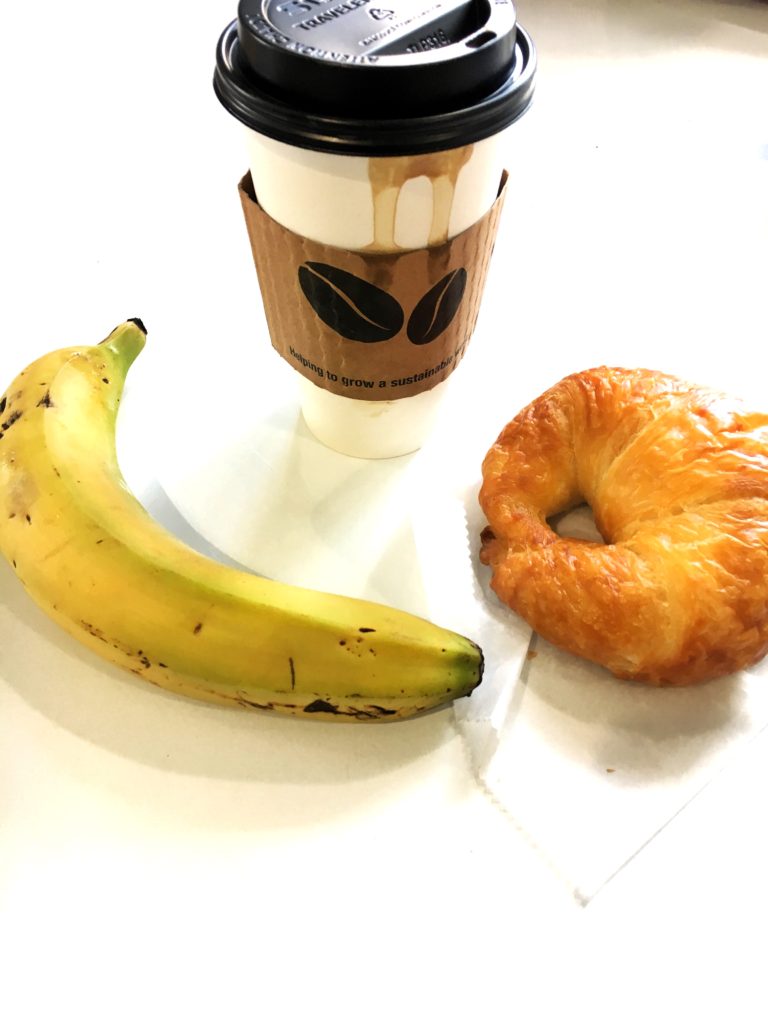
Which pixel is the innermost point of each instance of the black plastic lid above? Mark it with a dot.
(348, 76)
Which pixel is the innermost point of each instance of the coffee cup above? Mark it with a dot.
(377, 131)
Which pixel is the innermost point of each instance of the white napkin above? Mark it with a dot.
(588, 767)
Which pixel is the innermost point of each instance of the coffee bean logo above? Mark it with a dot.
(354, 308)
(435, 311)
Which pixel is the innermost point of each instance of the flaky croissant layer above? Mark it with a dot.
(677, 479)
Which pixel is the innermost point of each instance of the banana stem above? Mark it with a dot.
(126, 341)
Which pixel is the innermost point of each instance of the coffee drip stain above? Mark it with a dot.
(438, 263)
(389, 174)
(381, 272)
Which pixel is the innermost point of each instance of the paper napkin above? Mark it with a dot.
(590, 768)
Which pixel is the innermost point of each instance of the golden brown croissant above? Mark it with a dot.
(677, 479)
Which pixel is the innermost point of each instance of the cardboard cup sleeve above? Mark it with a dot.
(369, 325)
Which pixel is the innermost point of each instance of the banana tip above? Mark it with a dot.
(139, 323)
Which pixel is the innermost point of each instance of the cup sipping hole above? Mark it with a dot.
(481, 40)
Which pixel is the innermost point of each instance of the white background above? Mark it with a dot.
(160, 860)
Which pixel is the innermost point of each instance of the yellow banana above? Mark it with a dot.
(98, 564)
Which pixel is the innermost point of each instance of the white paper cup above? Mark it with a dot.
(377, 129)
(287, 181)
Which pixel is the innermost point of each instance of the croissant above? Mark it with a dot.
(677, 479)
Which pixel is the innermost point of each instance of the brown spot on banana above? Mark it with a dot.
(13, 418)
(321, 705)
(254, 704)
(368, 711)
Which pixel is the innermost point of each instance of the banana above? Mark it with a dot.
(94, 560)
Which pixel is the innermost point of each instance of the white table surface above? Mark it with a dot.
(165, 861)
